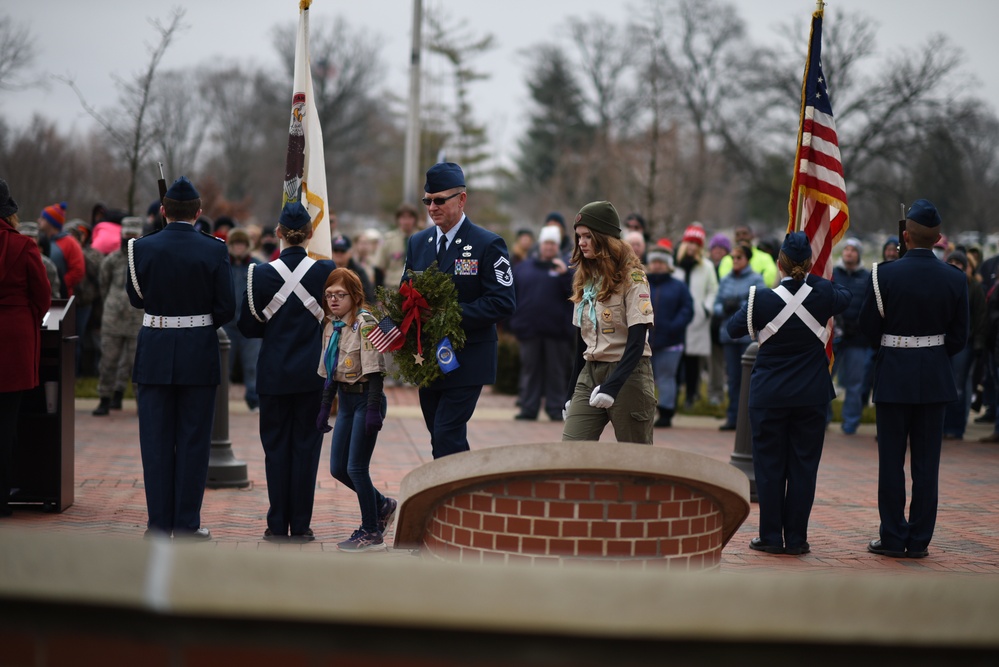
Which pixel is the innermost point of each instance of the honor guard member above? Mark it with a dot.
(612, 379)
(789, 392)
(916, 314)
(183, 281)
(478, 261)
(283, 305)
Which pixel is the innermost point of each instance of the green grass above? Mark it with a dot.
(704, 409)
(86, 387)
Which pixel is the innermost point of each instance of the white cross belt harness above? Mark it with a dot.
(792, 306)
(292, 283)
(889, 340)
(176, 321)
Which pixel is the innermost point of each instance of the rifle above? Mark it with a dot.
(161, 183)
(901, 229)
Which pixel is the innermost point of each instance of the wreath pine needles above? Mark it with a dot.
(444, 320)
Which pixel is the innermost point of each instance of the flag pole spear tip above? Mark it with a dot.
(820, 5)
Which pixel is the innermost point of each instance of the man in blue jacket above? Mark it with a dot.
(182, 279)
(916, 312)
(480, 265)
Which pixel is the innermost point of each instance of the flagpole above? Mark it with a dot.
(411, 160)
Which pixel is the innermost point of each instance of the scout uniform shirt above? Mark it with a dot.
(357, 356)
(605, 337)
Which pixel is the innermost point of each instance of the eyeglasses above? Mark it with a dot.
(338, 296)
(440, 201)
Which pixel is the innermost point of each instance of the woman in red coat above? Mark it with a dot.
(25, 297)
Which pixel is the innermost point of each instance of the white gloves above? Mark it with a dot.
(599, 400)
(565, 410)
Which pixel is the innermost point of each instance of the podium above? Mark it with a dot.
(42, 471)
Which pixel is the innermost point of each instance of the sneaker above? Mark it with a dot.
(361, 540)
(386, 513)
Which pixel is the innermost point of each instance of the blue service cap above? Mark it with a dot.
(797, 247)
(294, 216)
(341, 243)
(923, 212)
(182, 190)
(444, 176)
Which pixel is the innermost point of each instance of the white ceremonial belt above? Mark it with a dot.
(888, 340)
(176, 321)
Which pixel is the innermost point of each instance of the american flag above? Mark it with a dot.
(818, 189)
(386, 337)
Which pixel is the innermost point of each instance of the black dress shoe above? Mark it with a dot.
(307, 536)
(802, 548)
(875, 547)
(988, 418)
(756, 544)
(524, 417)
(270, 536)
(991, 438)
(727, 427)
(916, 553)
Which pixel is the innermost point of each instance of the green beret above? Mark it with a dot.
(600, 216)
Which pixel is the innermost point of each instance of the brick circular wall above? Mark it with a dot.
(651, 522)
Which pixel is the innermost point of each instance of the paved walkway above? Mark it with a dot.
(109, 495)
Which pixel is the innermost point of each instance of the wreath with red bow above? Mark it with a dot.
(426, 310)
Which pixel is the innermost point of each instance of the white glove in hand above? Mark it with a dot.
(565, 410)
(599, 400)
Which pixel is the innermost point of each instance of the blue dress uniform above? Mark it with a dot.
(181, 278)
(916, 314)
(789, 393)
(480, 264)
(290, 390)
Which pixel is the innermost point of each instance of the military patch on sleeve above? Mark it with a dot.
(637, 276)
(504, 272)
(645, 307)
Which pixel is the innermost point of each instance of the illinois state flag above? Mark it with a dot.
(305, 167)
(818, 189)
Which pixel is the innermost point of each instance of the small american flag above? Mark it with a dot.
(818, 190)
(386, 337)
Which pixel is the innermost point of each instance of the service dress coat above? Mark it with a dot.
(479, 262)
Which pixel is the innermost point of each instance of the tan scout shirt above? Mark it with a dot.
(628, 306)
(391, 258)
(358, 357)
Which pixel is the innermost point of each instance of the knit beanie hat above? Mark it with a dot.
(694, 234)
(721, 241)
(600, 216)
(550, 233)
(55, 215)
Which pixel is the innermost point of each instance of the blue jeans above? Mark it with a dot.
(733, 368)
(956, 412)
(664, 365)
(851, 362)
(351, 453)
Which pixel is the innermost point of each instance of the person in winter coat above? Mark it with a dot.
(25, 297)
(698, 273)
(542, 324)
(673, 309)
(732, 293)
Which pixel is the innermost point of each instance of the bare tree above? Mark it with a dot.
(135, 135)
(180, 120)
(453, 42)
(17, 54)
(605, 57)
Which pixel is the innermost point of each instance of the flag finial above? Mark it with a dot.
(819, 5)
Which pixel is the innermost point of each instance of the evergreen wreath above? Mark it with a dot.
(444, 320)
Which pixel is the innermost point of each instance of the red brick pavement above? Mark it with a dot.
(109, 494)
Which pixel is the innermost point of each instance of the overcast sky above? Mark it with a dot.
(91, 40)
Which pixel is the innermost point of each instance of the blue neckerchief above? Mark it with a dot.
(589, 297)
(330, 359)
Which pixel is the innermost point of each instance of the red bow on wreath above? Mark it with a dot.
(412, 303)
